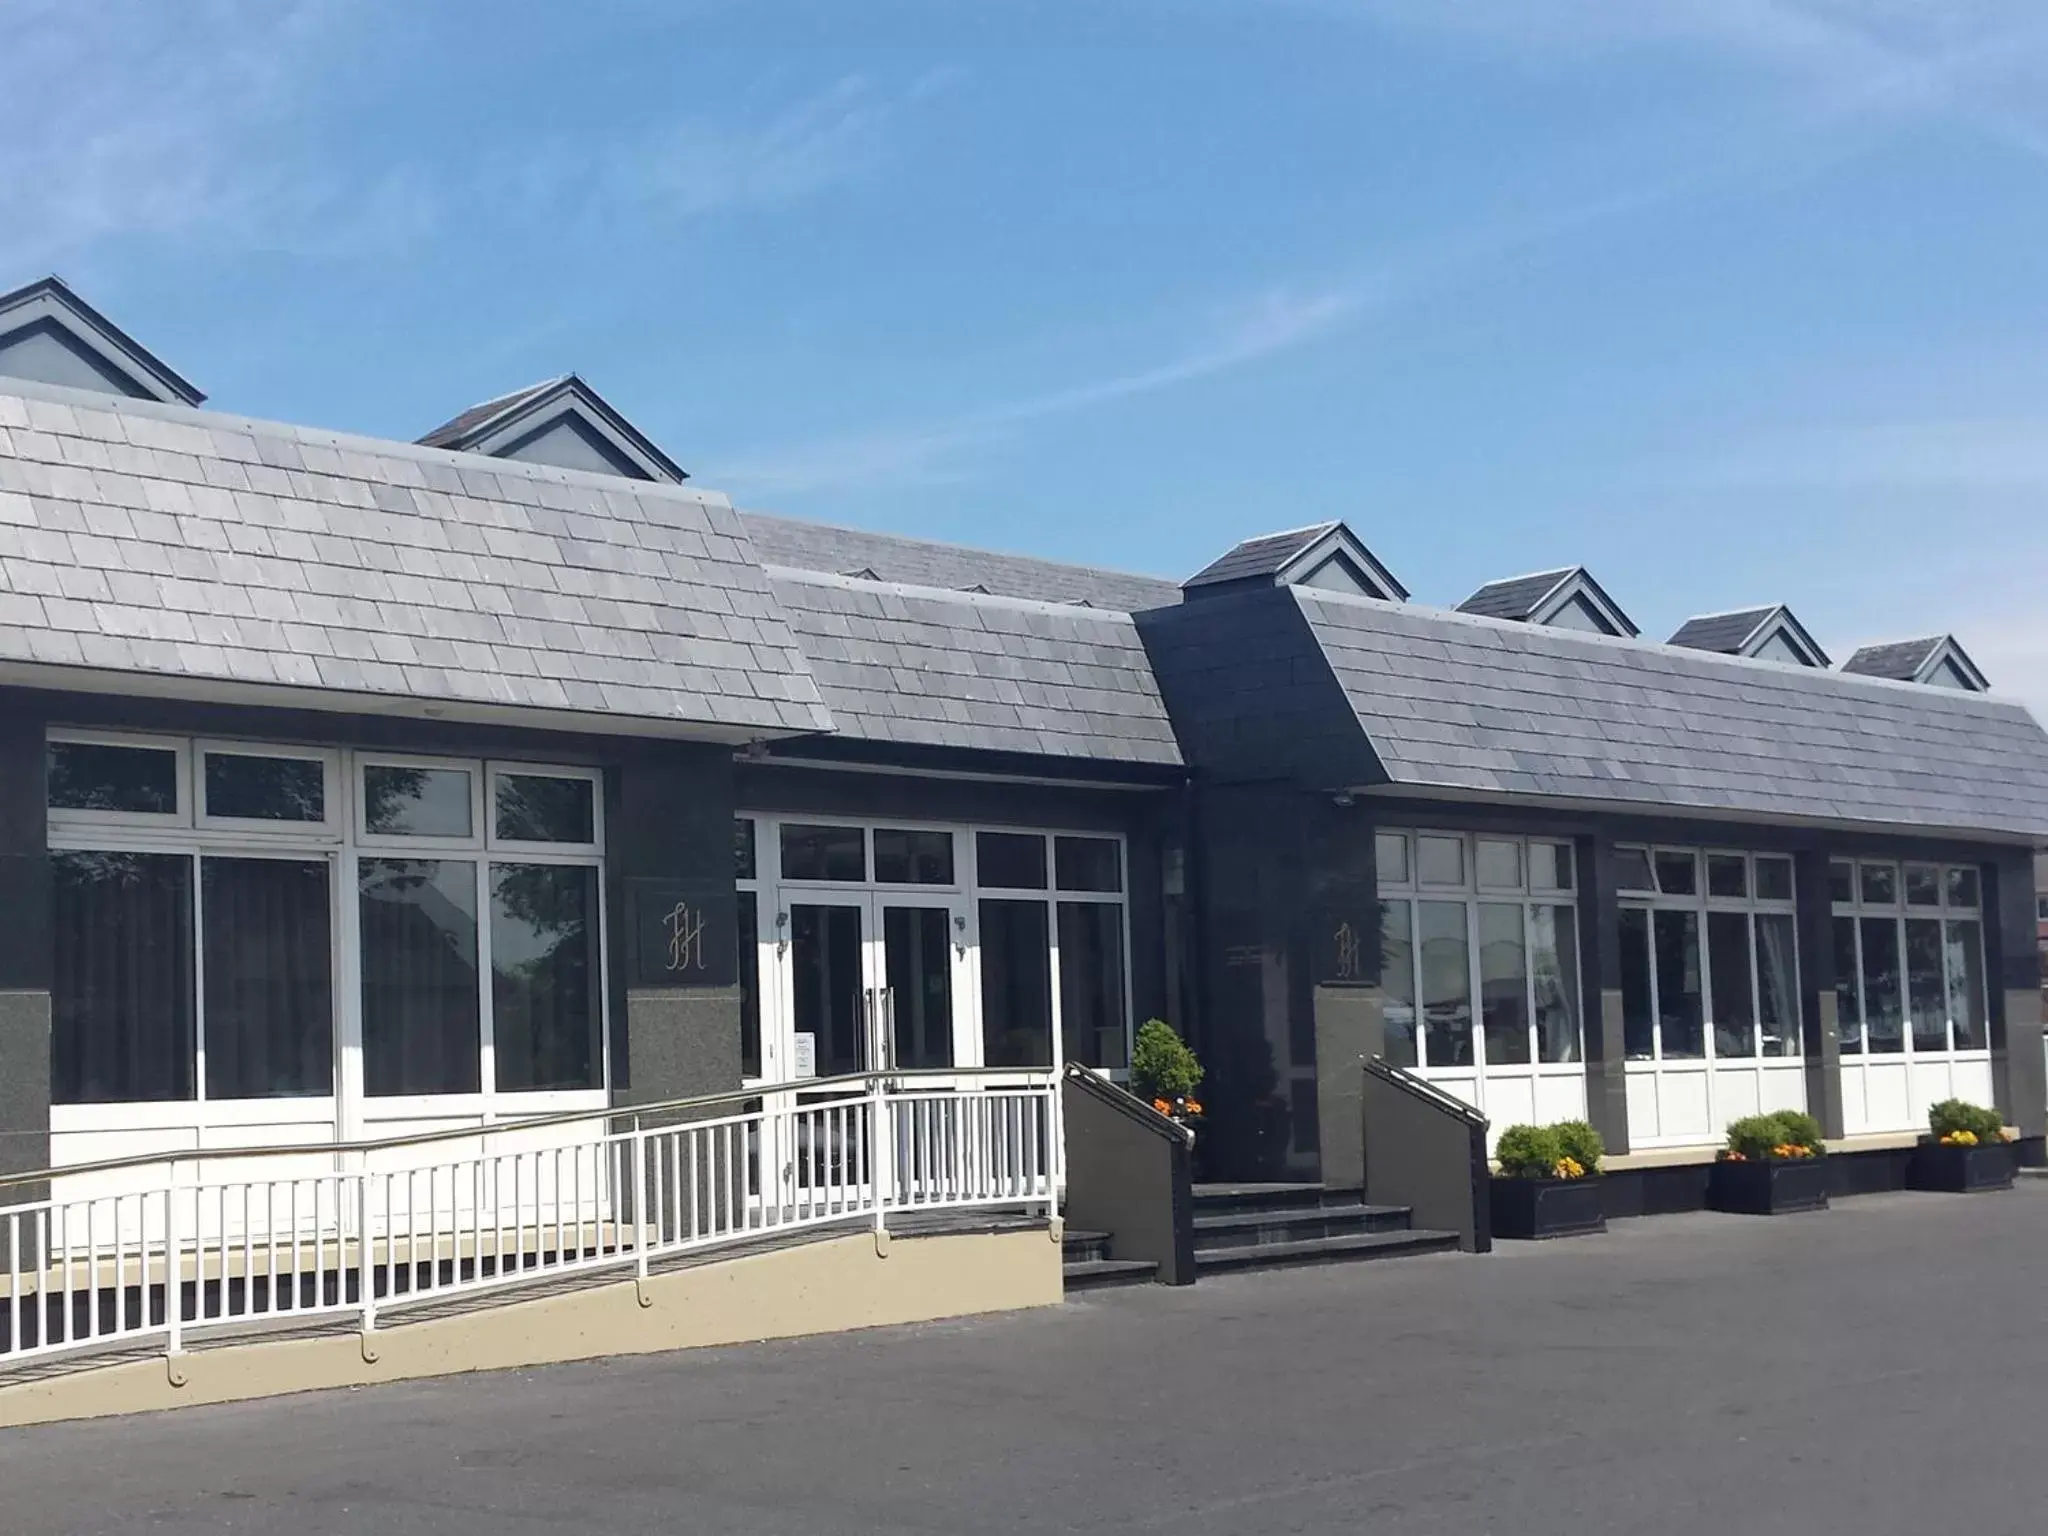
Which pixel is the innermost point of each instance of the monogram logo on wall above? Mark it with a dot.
(1349, 954)
(685, 930)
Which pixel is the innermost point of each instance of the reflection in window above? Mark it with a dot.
(1638, 1004)
(1962, 886)
(1012, 861)
(1499, 863)
(419, 973)
(1678, 874)
(1680, 1015)
(1923, 885)
(913, 858)
(1728, 968)
(1016, 984)
(823, 853)
(95, 776)
(1883, 1005)
(1550, 866)
(244, 787)
(1446, 982)
(1841, 881)
(1777, 981)
(1848, 988)
(416, 802)
(749, 944)
(1503, 984)
(1727, 875)
(1966, 983)
(1773, 878)
(917, 953)
(1397, 980)
(1440, 860)
(121, 1005)
(1632, 870)
(1553, 957)
(544, 970)
(544, 808)
(742, 848)
(269, 988)
(828, 986)
(1087, 864)
(1390, 858)
(1880, 885)
(1926, 982)
(1092, 1025)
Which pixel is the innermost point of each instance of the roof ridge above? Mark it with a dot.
(954, 547)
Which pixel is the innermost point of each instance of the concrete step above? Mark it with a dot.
(1098, 1274)
(1325, 1250)
(1220, 1199)
(1084, 1247)
(1235, 1229)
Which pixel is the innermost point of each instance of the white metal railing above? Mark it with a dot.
(173, 1246)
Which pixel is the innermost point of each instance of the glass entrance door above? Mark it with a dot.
(876, 983)
(918, 963)
(830, 990)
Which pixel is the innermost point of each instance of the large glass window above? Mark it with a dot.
(1909, 961)
(1503, 981)
(421, 1011)
(913, 857)
(121, 995)
(1442, 940)
(404, 800)
(823, 852)
(1093, 1025)
(269, 948)
(544, 975)
(1016, 984)
(1397, 977)
(244, 786)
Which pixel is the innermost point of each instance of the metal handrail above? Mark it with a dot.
(1422, 1088)
(1040, 1078)
(1122, 1099)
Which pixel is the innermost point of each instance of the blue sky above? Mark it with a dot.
(1732, 301)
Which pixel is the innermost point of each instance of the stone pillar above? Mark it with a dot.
(1600, 981)
(25, 960)
(1820, 1039)
(2012, 951)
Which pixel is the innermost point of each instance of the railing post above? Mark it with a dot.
(366, 1262)
(881, 1158)
(640, 1214)
(174, 1289)
(1055, 1158)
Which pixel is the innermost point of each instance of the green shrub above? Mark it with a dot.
(1529, 1151)
(1953, 1115)
(1162, 1065)
(1577, 1140)
(1756, 1138)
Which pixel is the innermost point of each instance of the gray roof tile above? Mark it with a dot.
(143, 532)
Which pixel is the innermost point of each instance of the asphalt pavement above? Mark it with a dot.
(1873, 1370)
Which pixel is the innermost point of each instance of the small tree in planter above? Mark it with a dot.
(1966, 1150)
(1164, 1069)
(1549, 1182)
(1773, 1164)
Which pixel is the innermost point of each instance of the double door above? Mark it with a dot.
(875, 983)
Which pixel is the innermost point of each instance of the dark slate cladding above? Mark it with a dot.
(1251, 694)
(1266, 555)
(1723, 632)
(1514, 598)
(804, 546)
(1466, 705)
(923, 667)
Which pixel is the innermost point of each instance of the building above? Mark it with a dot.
(349, 787)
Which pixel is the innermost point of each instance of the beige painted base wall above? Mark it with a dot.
(818, 1287)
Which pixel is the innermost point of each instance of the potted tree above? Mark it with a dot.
(1965, 1150)
(1773, 1164)
(1549, 1181)
(1164, 1071)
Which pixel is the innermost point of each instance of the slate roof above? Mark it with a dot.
(1467, 704)
(195, 547)
(484, 428)
(807, 546)
(457, 428)
(922, 666)
(1723, 632)
(1516, 597)
(52, 301)
(1901, 660)
(1266, 555)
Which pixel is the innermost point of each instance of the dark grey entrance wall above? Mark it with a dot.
(24, 954)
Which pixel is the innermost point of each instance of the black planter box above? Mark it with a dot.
(1963, 1170)
(1532, 1208)
(1769, 1188)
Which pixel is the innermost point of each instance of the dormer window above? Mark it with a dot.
(50, 335)
(1563, 599)
(563, 422)
(1765, 634)
(1327, 556)
(1936, 660)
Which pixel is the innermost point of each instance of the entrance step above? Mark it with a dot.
(1079, 1247)
(1098, 1274)
(1237, 1229)
(1263, 1226)
(1326, 1250)
(1218, 1199)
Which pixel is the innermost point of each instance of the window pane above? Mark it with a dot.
(1092, 1028)
(828, 986)
(268, 936)
(1841, 881)
(1087, 864)
(416, 802)
(1632, 870)
(1397, 980)
(1503, 984)
(1016, 984)
(1777, 983)
(1923, 885)
(544, 977)
(742, 848)
(1678, 874)
(1883, 1002)
(1015, 861)
(1550, 866)
(1880, 884)
(1554, 957)
(420, 1031)
(1848, 993)
(1734, 1008)
(121, 996)
(917, 971)
(913, 858)
(1500, 864)
(1966, 983)
(1638, 1010)
(1773, 878)
(1446, 983)
(1962, 887)
(1926, 984)
(88, 776)
(823, 853)
(1680, 1015)
(1390, 858)
(1440, 860)
(1727, 875)
(266, 788)
(750, 982)
(539, 808)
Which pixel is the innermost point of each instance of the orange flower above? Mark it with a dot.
(1194, 1106)
(1162, 1106)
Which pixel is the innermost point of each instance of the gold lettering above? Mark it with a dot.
(1350, 958)
(685, 930)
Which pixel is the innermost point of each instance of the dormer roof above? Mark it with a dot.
(560, 421)
(50, 335)
(1768, 634)
(1564, 599)
(1937, 660)
(1326, 555)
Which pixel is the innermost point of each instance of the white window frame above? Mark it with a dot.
(326, 830)
(181, 748)
(479, 806)
(498, 768)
